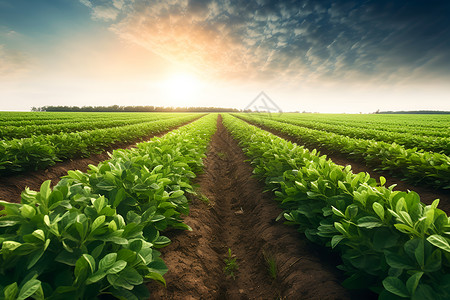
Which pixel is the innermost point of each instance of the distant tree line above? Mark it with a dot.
(416, 112)
(117, 108)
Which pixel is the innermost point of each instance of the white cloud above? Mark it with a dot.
(272, 39)
(104, 10)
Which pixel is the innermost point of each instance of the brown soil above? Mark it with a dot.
(427, 195)
(240, 217)
(11, 187)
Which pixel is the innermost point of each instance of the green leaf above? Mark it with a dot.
(176, 194)
(97, 222)
(369, 222)
(39, 233)
(395, 286)
(123, 294)
(340, 228)
(8, 223)
(351, 211)
(81, 270)
(45, 191)
(117, 267)
(132, 276)
(97, 251)
(419, 253)
(156, 276)
(99, 203)
(406, 218)
(91, 262)
(433, 261)
(439, 242)
(157, 218)
(413, 282)
(126, 255)
(424, 291)
(11, 291)
(382, 180)
(378, 209)
(27, 211)
(336, 239)
(107, 261)
(435, 204)
(35, 258)
(342, 186)
(398, 261)
(10, 245)
(162, 240)
(97, 276)
(28, 289)
(406, 229)
(120, 196)
(337, 212)
(47, 220)
(68, 258)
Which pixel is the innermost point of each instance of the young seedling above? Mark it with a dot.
(204, 198)
(222, 155)
(231, 266)
(271, 264)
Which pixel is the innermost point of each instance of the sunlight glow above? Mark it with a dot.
(182, 88)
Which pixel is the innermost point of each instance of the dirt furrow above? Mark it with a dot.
(232, 212)
(12, 186)
(427, 195)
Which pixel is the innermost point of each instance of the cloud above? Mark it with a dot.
(12, 63)
(105, 10)
(375, 40)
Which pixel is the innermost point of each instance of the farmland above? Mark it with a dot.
(238, 206)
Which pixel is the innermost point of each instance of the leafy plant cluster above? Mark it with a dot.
(96, 233)
(81, 123)
(416, 166)
(388, 240)
(435, 125)
(406, 139)
(40, 151)
(231, 265)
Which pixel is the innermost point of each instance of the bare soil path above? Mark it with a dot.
(12, 186)
(237, 215)
(427, 195)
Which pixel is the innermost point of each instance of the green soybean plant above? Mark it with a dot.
(388, 240)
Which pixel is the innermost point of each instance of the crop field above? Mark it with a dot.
(224, 206)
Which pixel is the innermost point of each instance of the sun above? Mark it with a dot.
(181, 88)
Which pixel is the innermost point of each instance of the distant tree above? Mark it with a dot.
(117, 108)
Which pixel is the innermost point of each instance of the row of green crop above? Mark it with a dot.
(424, 125)
(418, 167)
(388, 240)
(96, 233)
(17, 132)
(409, 121)
(44, 118)
(48, 118)
(41, 151)
(409, 140)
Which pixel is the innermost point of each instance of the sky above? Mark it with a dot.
(317, 56)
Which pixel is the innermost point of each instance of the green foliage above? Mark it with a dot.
(388, 240)
(97, 232)
(417, 166)
(231, 265)
(417, 135)
(63, 122)
(41, 151)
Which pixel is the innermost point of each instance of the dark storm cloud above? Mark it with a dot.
(376, 40)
